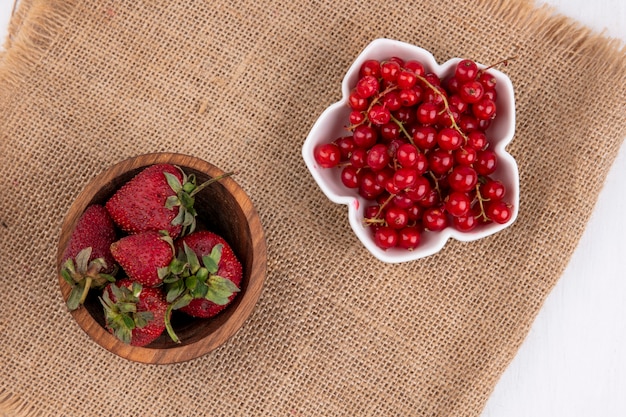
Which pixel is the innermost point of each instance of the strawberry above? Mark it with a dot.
(87, 261)
(136, 315)
(210, 277)
(160, 197)
(141, 203)
(145, 256)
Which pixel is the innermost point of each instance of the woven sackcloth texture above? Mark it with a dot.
(86, 84)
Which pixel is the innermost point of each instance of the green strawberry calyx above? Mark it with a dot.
(121, 315)
(197, 281)
(184, 198)
(82, 275)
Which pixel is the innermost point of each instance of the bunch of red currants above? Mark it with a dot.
(417, 149)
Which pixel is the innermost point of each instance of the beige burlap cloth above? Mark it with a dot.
(85, 84)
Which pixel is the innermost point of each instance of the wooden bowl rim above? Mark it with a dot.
(249, 297)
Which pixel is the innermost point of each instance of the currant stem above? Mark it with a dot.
(480, 203)
(504, 62)
(446, 106)
(401, 126)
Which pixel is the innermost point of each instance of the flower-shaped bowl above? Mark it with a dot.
(333, 123)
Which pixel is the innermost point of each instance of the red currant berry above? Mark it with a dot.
(425, 137)
(467, 222)
(466, 70)
(356, 102)
(405, 115)
(471, 91)
(449, 139)
(371, 212)
(406, 155)
(402, 200)
(431, 199)
(449, 117)
(367, 86)
(346, 146)
(327, 155)
(435, 96)
(477, 140)
(408, 97)
(368, 187)
(487, 80)
(435, 219)
(457, 103)
(364, 136)
(427, 113)
(491, 95)
(462, 178)
(350, 176)
(379, 115)
(498, 211)
(391, 101)
(389, 70)
(440, 161)
(465, 155)
(457, 203)
(468, 123)
(377, 157)
(409, 238)
(419, 190)
(406, 79)
(415, 212)
(415, 67)
(356, 117)
(370, 67)
(452, 85)
(396, 217)
(405, 178)
(432, 79)
(389, 131)
(398, 60)
(486, 162)
(386, 237)
(492, 190)
(358, 159)
(484, 109)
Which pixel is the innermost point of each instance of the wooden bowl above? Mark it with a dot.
(223, 208)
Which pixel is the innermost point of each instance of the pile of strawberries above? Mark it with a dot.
(142, 252)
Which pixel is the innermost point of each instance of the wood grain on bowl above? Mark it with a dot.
(223, 208)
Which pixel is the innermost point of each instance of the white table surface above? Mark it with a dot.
(573, 362)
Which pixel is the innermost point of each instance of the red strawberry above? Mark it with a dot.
(141, 203)
(211, 277)
(136, 315)
(145, 257)
(87, 260)
(94, 229)
(160, 197)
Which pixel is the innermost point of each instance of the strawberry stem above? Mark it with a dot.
(168, 324)
(83, 296)
(209, 182)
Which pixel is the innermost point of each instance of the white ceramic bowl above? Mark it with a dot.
(332, 123)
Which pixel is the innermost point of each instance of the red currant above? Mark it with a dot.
(484, 109)
(357, 102)
(492, 190)
(367, 86)
(364, 136)
(427, 113)
(389, 70)
(327, 155)
(385, 237)
(462, 178)
(370, 67)
(409, 238)
(350, 176)
(415, 67)
(425, 137)
(435, 219)
(457, 203)
(486, 162)
(440, 161)
(498, 211)
(449, 139)
(377, 157)
(396, 217)
(471, 91)
(379, 115)
(466, 70)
